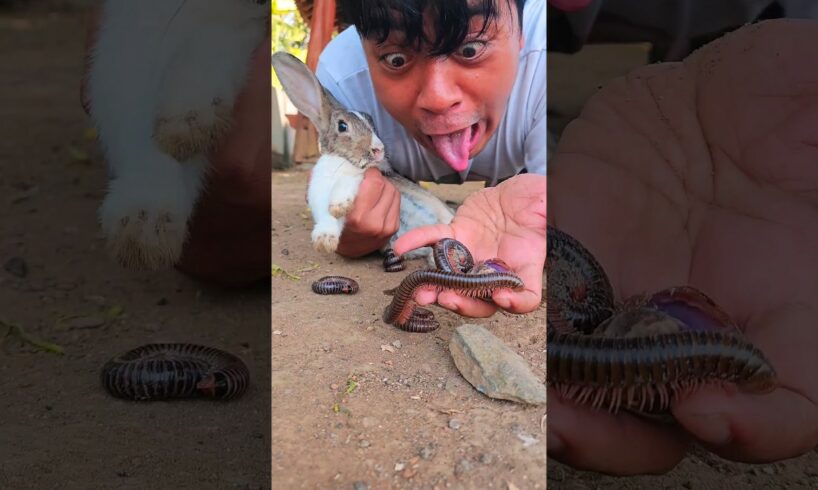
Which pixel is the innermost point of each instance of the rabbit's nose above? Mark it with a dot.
(377, 154)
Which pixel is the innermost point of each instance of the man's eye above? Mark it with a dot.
(395, 60)
(472, 49)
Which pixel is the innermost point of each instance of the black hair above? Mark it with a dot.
(375, 19)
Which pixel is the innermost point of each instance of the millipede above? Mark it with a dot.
(645, 353)
(392, 262)
(335, 285)
(456, 271)
(165, 371)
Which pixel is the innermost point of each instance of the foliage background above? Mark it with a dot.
(289, 32)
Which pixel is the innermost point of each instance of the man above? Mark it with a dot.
(457, 90)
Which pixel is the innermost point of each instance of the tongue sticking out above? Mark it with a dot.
(454, 148)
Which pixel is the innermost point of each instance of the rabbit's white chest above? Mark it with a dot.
(333, 186)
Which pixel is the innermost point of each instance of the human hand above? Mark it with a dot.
(374, 217)
(703, 173)
(506, 222)
(229, 239)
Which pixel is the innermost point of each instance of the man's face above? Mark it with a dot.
(452, 104)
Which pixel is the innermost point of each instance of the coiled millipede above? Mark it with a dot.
(456, 271)
(175, 370)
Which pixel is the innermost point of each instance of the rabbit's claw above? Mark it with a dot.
(340, 210)
(198, 130)
(326, 242)
(149, 242)
(145, 232)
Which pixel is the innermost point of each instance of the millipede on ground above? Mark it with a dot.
(392, 262)
(175, 370)
(335, 285)
(456, 271)
(644, 353)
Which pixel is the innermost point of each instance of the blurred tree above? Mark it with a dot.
(289, 32)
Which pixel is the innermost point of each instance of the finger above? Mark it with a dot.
(760, 428)
(392, 223)
(380, 210)
(421, 237)
(369, 194)
(751, 428)
(528, 299)
(619, 444)
(464, 306)
(426, 295)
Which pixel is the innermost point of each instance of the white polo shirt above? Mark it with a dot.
(520, 142)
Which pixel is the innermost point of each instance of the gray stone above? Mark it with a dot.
(493, 368)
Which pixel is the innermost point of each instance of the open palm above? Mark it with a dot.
(705, 173)
(506, 222)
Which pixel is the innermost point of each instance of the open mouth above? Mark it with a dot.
(454, 148)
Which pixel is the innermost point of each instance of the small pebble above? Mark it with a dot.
(397, 344)
(360, 485)
(408, 473)
(454, 424)
(326, 347)
(399, 466)
(462, 467)
(285, 252)
(426, 452)
(364, 443)
(16, 266)
(485, 458)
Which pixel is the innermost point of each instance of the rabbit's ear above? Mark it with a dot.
(301, 86)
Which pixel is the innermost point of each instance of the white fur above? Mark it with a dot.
(164, 73)
(333, 185)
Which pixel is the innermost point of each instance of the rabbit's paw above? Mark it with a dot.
(194, 131)
(326, 235)
(325, 242)
(339, 210)
(145, 230)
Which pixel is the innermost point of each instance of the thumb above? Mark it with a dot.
(750, 428)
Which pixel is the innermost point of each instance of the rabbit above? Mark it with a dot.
(163, 76)
(348, 145)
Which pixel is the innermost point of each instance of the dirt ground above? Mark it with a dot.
(412, 421)
(59, 429)
(571, 80)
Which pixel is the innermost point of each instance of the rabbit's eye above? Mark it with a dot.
(342, 126)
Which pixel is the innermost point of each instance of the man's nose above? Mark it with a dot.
(439, 91)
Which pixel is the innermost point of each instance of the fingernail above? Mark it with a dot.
(711, 428)
(555, 446)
